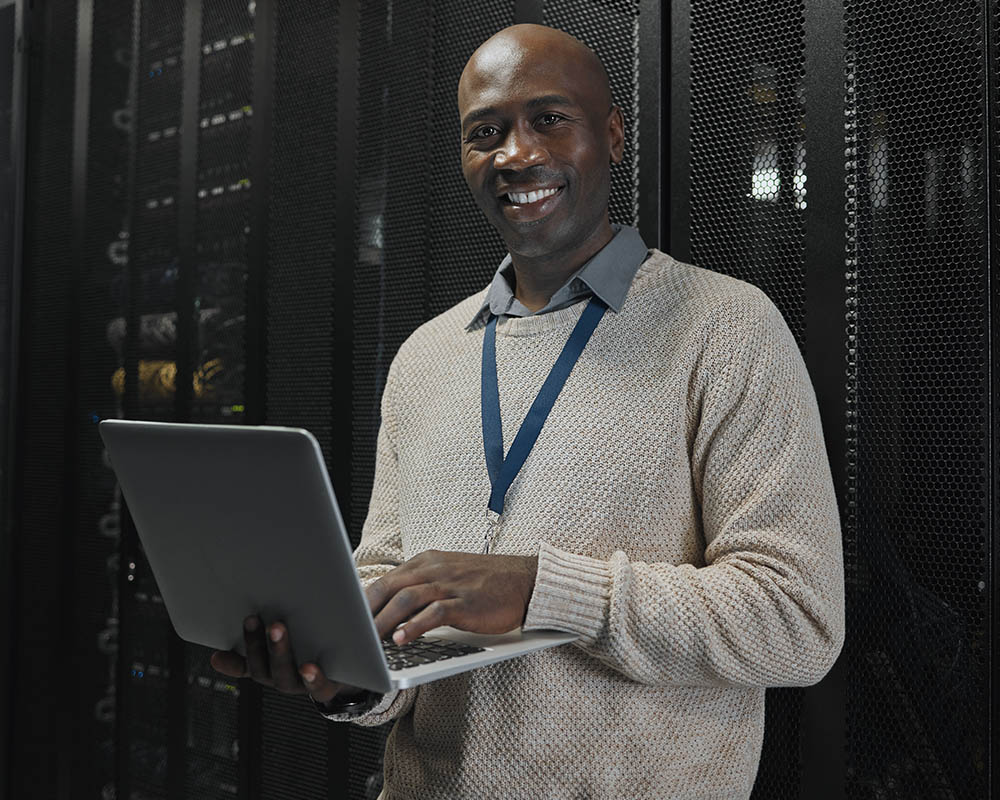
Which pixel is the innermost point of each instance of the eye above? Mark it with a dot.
(483, 132)
(550, 118)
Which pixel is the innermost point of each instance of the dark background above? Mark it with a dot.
(234, 212)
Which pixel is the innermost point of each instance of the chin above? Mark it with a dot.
(531, 244)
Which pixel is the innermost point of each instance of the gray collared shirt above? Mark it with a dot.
(608, 274)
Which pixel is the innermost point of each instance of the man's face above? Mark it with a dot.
(538, 137)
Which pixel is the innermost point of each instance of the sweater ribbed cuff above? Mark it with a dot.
(380, 708)
(571, 594)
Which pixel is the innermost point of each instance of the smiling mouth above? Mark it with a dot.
(527, 198)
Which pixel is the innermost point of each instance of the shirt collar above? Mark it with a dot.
(608, 274)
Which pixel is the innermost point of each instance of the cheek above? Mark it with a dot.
(593, 171)
(473, 168)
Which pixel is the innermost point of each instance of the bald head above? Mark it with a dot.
(539, 135)
(541, 47)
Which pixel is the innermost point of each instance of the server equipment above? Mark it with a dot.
(237, 210)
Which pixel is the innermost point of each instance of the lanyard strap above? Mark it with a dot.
(502, 471)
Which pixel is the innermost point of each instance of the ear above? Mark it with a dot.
(616, 134)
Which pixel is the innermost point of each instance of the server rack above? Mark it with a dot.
(12, 26)
(217, 229)
(218, 232)
(881, 263)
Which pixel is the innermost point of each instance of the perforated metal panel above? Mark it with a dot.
(392, 225)
(10, 203)
(224, 192)
(422, 244)
(747, 198)
(918, 534)
(302, 223)
(294, 764)
(101, 354)
(44, 378)
(301, 280)
(211, 730)
(147, 380)
(415, 258)
(916, 350)
(611, 29)
(747, 166)
(463, 249)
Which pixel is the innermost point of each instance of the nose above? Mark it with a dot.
(520, 150)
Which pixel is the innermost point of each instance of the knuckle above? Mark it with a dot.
(407, 596)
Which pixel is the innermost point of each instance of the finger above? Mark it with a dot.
(382, 590)
(283, 671)
(440, 612)
(258, 663)
(320, 688)
(404, 604)
(229, 663)
(411, 572)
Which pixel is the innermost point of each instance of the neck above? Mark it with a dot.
(537, 278)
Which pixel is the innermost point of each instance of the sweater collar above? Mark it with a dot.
(608, 274)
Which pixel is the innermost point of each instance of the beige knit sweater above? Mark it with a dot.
(680, 501)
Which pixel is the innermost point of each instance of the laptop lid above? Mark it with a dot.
(236, 520)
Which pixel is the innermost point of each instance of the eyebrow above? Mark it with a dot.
(534, 102)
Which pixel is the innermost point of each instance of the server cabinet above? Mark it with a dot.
(219, 230)
(841, 156)
(218, 227)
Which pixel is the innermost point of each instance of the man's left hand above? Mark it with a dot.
(476, 593)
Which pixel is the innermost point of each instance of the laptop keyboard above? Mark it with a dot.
(425, 650)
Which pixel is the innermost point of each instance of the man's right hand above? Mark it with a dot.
(270, 661)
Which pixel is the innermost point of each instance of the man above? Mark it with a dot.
(676, 510)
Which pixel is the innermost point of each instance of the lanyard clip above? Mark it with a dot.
(492, 523)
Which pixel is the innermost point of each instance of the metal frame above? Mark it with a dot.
(187, 280)
(345, 249)
(128, 543)
(9, 414)
(69, 701)
(824, 705)
(249, 707)
(652, 222)
(991, 158)
(680, 130)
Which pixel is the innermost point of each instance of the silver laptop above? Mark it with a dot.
(240, 520)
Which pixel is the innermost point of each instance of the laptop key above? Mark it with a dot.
(425, 650)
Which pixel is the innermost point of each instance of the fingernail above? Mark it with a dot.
(308, 677)
(275, 634)
(250, 624)
(398, 636)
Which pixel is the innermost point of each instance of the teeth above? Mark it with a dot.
(530, 197)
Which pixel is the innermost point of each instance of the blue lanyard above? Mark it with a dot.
(502, 471)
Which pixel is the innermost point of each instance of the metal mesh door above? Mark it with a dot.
(915, 360)
(918, 533)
